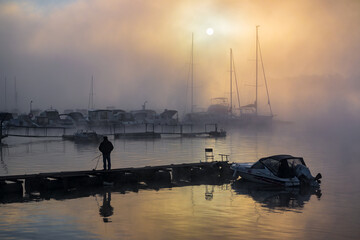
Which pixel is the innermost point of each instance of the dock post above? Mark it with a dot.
(11, 188)
(32, 184)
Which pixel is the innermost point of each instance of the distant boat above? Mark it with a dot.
(100, 117)
(144, 116)
(22, 120)
(217, 112)
(249, 113)
(217, 134)
(76, 117)
(84, 136)
(52, 118)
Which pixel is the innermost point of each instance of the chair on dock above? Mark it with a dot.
(209, 154)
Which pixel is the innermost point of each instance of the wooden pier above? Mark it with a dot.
(140, 131)
(167, 175)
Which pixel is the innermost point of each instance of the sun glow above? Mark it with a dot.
(209, 31)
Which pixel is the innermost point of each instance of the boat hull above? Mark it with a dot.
(263, 176)
(291, 182)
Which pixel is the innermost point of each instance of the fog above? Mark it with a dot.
(140, 51)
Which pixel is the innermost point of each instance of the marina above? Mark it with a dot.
(179, 120)
(137, 131)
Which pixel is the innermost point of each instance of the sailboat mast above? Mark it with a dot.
(192, 72)
(5, 95)
(92, 92)
(237, 88)
(91, 96)
(256, 94)
(231, 61)
(267, 89)
(15, 95)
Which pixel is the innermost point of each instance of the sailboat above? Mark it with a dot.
(221, 111)
(249, 114)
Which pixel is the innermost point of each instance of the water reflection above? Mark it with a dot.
(3, 164)
(209, 192)
(284, 199)
(85, 146)
(106, 210)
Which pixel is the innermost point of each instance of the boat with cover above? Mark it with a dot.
(84, 136)
(280, 170)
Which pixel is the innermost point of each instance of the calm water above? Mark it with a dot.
(230, 211)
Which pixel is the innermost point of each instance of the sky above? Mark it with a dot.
(140, 51)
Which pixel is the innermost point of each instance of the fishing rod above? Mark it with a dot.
(96, 157)
(97, 162)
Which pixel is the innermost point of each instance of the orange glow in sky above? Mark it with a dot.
(137, 49)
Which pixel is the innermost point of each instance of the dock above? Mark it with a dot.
(140, 131)
(166, 130)
(138, 135)
(165, 175)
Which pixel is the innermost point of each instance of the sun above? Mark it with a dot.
(209, 31)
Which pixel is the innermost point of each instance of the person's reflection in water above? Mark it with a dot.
(106, 210)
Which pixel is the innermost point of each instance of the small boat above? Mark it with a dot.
(217, 134)
(84, 136)
(280, 170)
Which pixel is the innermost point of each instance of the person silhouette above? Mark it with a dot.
(105, 148)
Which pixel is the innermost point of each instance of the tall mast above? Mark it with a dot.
(237, 88)
(92, 92)
(91, 96)
(192, 72)
(256, 95)
(16, 95)
(5, 95)
(231, 63)
(267, 89)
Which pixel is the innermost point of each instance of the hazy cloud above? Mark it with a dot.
(140, 51)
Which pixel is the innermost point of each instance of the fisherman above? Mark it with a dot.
(106, 147)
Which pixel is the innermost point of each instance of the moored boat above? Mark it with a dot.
(281, 170)
(84, 136)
